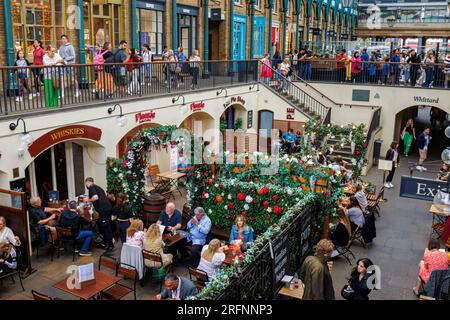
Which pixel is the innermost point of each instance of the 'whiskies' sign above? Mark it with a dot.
(420, 188)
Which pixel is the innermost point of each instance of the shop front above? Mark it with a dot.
(62, 159)
(239, 41)
(150, 24)
(275, 38)
(258, 37)
(102, 22)
(42, 20)
(187, 28)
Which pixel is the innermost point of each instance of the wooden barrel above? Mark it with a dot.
(154, 203)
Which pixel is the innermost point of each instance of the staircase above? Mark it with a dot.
(294, 101)
(345, 151)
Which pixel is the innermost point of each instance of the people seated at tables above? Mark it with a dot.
(153, 242)
(8, 258)
(241, 233)
(297, 143)
(355, 214)
(212, 258)
(170, 217)
(102, 205)
(6, 234)
(123, 214)
(199, 227)
(342, 232)
(177, 288)
(289, 138)
(135, 233)
(433, 259)
(315, 273)
(70, 219)
(361, 197)
(338, 166)
(38, 218)
(359, 278)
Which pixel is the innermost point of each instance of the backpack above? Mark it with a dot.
(99, 61)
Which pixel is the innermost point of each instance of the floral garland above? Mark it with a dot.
(353, 135)
(135, 161)
(224, 277)
(114, 175)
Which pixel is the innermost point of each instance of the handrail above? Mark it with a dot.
(320, 107)
(374, 123)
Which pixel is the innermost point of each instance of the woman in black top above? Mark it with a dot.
(392, 155)
(358, 280)
(123, 214)
(341, 235)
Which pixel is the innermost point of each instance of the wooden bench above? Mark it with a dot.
(219, 234)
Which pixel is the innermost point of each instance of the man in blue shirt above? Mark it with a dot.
(289, 139)
(365, 59)
(199, 227)
(170, 217)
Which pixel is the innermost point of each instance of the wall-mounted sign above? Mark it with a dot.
(420, 188)
(197, 106)
(63, 134)
(361, 95)
(234, 100)
(290, 113)
(426, 100)
(249, 119)
(145, 116)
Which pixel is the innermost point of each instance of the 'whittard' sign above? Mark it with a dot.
(420, 188)
(425, 100)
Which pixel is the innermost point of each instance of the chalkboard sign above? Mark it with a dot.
(19, 185)
(361, 95)
(280, 259)
(305, 234)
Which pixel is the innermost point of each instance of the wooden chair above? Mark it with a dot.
(199, 277)
(65, 236)
(374, 205)
(119, 290)
(357, 235)
(40, 296)
(157, 261)
(16, 271)
(106, 262)
(153, 171)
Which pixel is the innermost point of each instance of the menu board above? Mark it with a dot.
(305, 234)
(280, 259)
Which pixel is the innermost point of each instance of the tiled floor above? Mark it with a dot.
(402, 234)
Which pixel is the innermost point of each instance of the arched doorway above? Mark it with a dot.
(424, 116)
(123, 143)
(234, 118)
(201, 124)
(62, 168)
(265, 126)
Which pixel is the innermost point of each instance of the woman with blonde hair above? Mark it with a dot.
(212, 258)
(343, 231)
(135, 233)
(8, 258)
(241, 232)
(153, 242)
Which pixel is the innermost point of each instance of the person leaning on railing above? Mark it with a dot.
(52, 76)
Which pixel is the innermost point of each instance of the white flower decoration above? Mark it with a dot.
(248, 199)
(229, 197)
(246, 207)
(206, 195)
(269, 209)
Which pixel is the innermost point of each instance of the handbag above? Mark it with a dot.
(159, 274)
(347, 292)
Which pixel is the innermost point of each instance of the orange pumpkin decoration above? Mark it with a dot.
(219, 199)
(260, 191)
(111, 164)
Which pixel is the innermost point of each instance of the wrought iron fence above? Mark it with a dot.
(25, 89)
(260, 280)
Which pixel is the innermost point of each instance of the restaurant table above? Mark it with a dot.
(103, 281)
(439, 218)
(296, 293)
(229, 256)
(172, 240)
(349, 190)
(345, 201)
(170, 181)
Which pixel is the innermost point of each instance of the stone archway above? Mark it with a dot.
(123, 143)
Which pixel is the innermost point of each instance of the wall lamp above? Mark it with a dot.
(121, 119)
(219, 92)
(178, 98)
(254, 85)
(25, 139)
